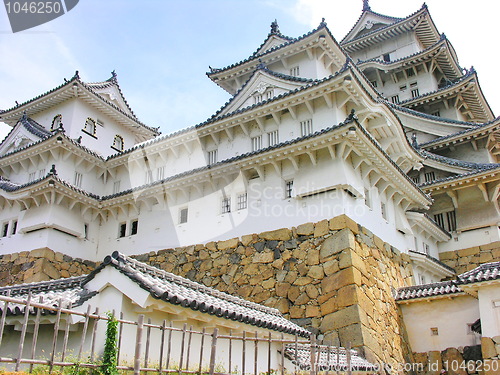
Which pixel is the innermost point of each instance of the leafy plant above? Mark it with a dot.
(109, 361)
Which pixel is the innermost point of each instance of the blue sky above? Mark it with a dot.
(161, 49)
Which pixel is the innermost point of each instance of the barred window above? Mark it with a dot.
(116, 187)
(242, 201)
(446, 220)
(273, 138)
(306, 127)
(78, 179)
(429, 176)
(183, 216)
(256, 143)
(226, 205)
(148, 177)
(295, 71)
(395, 99)
(212, 157)
(160, 173)
(288, 188)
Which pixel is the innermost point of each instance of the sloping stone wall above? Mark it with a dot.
(40, 265)
(334, 277)
(467, 259)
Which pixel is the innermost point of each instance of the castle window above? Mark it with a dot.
(402, 88)
(447, 220)
(148, 177)
(258, 98)
(118, 143)
(294, 71)
(77, 181)
(86, 231)
(288, 188)
(56, 122)
(383, 210)
(5, 229)
(183, 216)
(212, 157)
(306, 127)
(429, 176)
(32, 177)
(368, 201)
(427, 249)
(386, 57)
(242, 201)
(416, 179)
(134, 226)
(374, 83)
(160, 173)
(395, 99)
(14, 227)
(434, 331)
(256, 143)
(436, 113)
(415, 93)
(273, 138)
(116, 187)
(122, 230)
(89, 127)
(226, 205)
(270, 94)
(41, 173)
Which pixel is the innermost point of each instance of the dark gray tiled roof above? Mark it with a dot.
(180, 291)
(432, 259)
(68, 292)
(457, 177)
(328, 358)
(458, 163)
(484, 272)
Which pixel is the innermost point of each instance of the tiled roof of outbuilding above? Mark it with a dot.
(328, 358)
(485, 272)
(181, 291)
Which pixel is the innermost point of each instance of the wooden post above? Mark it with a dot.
(66, 337)
(337, 366)
(269, 344)
(296, 351)
(35, 333)
(148, 339)
(138, 342)
(213, 352)
(328, 359)
(23, 332)
(190, 335)
(169, 346)
(312, 353)
(348, 358)
(54, 339)
(201, 349)
(162, 345)
(230, 350)
(120, 335)
(243, 352)
(84, 332)
(4, 314)
(94, 335)
(181, 361)
(256, 353)
(282, 354)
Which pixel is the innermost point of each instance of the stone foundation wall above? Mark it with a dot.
(491, 354)
(40, 265)
(334, 277)
(455, 361)
(467, 259)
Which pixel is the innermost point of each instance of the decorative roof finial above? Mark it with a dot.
(366, 6)
(25, 116)
(261, 65)
(275, 29)
(77, 75)
(53, 170)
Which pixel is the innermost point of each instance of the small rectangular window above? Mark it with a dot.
(429, 176)
(383, 210)
(5, 229)
(134, 226)
(427, 249)
(41, 173)
(256, 143)
(160, 173)
(306, 127)
(416, 179)
(395, 99)
(78, 179)
(436, 113)
(295, 72)
(183, 216)
(226, 205)
(434, 331)
(415, 93)
(269, 94)
(402, 88)
(288, 189)
(386, 57)
(122, 230)
(116, 187)
(32, 177)
(86, 231)
(14, 227)
(257, 98)
(242, 201)
(451, 221)
(438, 218)
(212, 157)
(374, 83)
(273, 138)
(368, 202)
(148, 177)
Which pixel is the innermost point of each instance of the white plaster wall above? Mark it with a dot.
(489, 307)
(450, 316)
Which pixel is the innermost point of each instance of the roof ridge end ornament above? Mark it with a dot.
(24, 117)
(322, 23)
(275, 29)
(261, 65)
(53, 171)
(77, 75)
(366, 6)
(114, 76)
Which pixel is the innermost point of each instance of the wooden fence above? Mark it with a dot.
(245, 353)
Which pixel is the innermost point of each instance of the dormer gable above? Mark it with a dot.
(274, 39)
(25, 132)
(263, 85)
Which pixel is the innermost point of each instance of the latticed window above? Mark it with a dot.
(116, 187)
(446, 220)
(78, 179)
(56, 122)
(160, 173)
(118, 143)
(212, 157)
(295, 72)
(226, 205)
(242, 201)
(89, 127)
(306, 127)
(273, 138)
(395, 99)
(149, 177)
(288, 188)
(256, 143)
(183, 216)
(429, 176)
(258, 98)
(269, 94)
